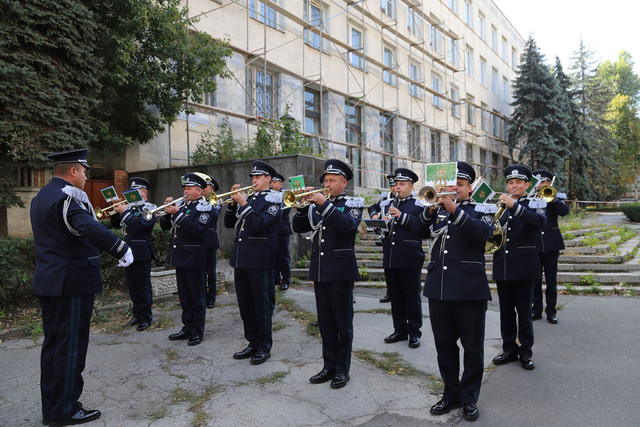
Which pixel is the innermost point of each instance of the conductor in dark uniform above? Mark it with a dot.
(378, 210)
(211, 239)
(282, 270)
(334, 222)
(549, 245)
(136, 231)
(458, 290)
(255, 219)
(516, 266)
(68, 239)
(189, 224)
(402, 261)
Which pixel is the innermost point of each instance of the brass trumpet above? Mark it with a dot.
(215, 198)
(295, 200)
(148, 214)
(108, 211)
(428, 196)
(548, 193)
(497, 238)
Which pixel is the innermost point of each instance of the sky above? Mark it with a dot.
(606, 27)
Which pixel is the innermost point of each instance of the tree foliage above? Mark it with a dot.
(217, 147)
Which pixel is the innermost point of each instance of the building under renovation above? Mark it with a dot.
(378, 83)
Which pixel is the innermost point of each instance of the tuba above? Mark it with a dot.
(497, 238)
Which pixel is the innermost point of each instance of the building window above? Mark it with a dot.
(436, 148)
(471, 111)
(209, 99)
(356, 57)
(453, 50)
(453, 148)
(414, 21)
(504, 50)
(436, 39)
(495, 163)
(483, 159)
(468, 13)
(312, 118)
(455, 101)
(390, 63)
(469, 154)
(436, 88)
(514, 58)
(262, 13)
(505, 89)
(353, 132)
(495, 121)
(482, 26)
(483, 71)
(413, 137)
(484, 117)
(388, 7)
(262, 92)
(386, 139)
(494, 38)
(453, 5)
(414, 74)
(494, 81)
(468, 61)
(313, 15)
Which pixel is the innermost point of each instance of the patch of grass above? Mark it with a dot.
(172, 355)
(571, 289)
(158, 415)
(272, 377)
(376, 311)
(559, 307)
(308, 319)
(303, 261)
(587, 280)
(593, 289)
(569, 236)
(277, 326)
(364, 272)
(391, 363)
(140, 386)
(196, 402)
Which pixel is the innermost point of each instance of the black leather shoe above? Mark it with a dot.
(470, 412)
(505, 358)
(526, 363)
(395, 337)
(322, 377)
(134, 321)
(284, 286)
(143, 325)
(195, 340)
(536, 316)
(552, 319)
(385, 298)
(80, 417)
(340, 380)
(414, 342)
(260, 357)
(179, 336)
(245, 354)
(211, 304)
(443, 407)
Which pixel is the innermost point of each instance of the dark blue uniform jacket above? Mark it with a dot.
(189, 228)
(517, 258)
(212, 233)
(550, 239)
(136, 230)
(334, 226)
(256, 227)
(456, 271)
(381, 206)
(402, 249)
(67, 238)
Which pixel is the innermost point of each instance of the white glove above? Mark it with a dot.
(126, 260)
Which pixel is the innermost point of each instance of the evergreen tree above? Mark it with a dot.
(539, 126)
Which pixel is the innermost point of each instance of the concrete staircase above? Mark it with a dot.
(578, 264)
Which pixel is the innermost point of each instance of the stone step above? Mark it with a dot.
(377, 263)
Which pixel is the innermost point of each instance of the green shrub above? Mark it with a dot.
(632, 211)
(17, 262)
(160, 241)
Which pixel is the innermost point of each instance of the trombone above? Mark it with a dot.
(428, 196)
(109, 209)
(295, 200)
(215, 198)
(148, 214)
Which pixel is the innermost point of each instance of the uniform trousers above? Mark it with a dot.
(464, 320)
(138, 277)
(334, 304)
(211, 274)
(515, 300)
(549, 264)
(254, 301)
(191, 293)
(65, 321)
(283, 263)
(406, 303)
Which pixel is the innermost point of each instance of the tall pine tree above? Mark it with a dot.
(539, 126)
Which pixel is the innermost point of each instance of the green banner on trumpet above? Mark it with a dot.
(533, 183)
(133, 196)
(109, 194)
(296, 183)
(441, 175)
(482, 193)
